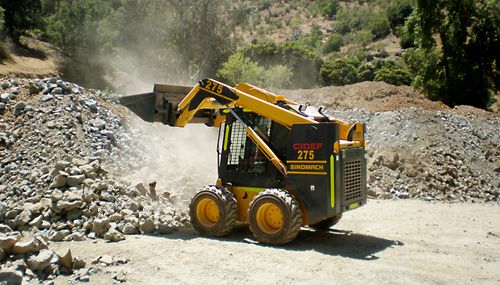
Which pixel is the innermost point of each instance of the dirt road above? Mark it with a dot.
(386, 242)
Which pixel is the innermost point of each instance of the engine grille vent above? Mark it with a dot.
(353, 176)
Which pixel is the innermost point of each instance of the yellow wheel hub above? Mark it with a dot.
(207, 212)
(269, 218)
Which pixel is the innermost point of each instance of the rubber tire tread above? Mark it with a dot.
(228, 212)
(294, 215)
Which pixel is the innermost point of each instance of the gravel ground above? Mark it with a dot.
(385, 242)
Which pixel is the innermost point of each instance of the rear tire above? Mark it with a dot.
(213, 211)
(327, 224)
(274, 217)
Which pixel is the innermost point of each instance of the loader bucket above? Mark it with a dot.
(159, 105)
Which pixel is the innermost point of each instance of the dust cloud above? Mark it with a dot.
(180, 160)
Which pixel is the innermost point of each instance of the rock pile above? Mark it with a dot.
(28, 257)
(444, 155)
(54, 137)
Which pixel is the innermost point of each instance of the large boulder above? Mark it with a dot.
(100, 226)
(66, 259)
(7, 243)
(41, 261)
(29, 244)
(114, 235)
(10, 277)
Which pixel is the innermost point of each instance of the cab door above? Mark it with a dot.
(242, 162)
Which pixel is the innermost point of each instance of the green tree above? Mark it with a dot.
(20, 16)
(338, 72)
(394, 76)
(3, 52)
(302, 60)
(398, 11)
(2, 22)
(469, 32)
(241, 69)
(425, 69)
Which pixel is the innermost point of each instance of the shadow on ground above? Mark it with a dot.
(332, 242)
(27, 51)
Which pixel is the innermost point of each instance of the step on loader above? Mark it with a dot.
(281, 165)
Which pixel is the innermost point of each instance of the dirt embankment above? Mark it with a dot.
(34, 60)
(369, 96)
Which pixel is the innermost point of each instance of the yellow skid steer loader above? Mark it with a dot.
(281, 165)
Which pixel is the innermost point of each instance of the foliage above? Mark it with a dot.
(407, 40)
(394, 76)
(328, 8)
(333, 43)
(398, 11)
(469, 32)
(73, 28)
(349, 70)
(379, 25)
(366, 72)
(352, 20)
(304, 63)
(3, 52)
(20, 15)
(168, 40)
(241, 69)
(278, 76)
(424, 67)
(2, 22)
(362, 39)
(338, 72)
(312, 39)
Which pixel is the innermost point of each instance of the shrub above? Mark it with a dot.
(363, 38)
(351, 20)
(333, 43)
(379, 26)
(21, 16)
(394, 76)
(366, 72)
(407, 40)
(304, 63)
(398, 12)
(338, 72)
(328, 8)
(278, 76)
(312, 39)
(241, 69)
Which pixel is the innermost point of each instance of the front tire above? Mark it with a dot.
(213, 211)
(274, 217)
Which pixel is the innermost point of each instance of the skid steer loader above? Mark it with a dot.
(281, 165)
